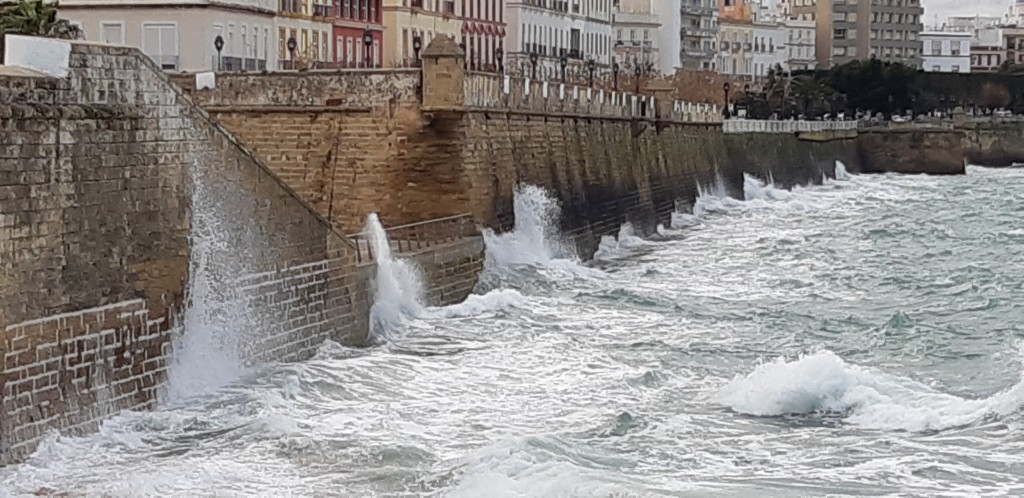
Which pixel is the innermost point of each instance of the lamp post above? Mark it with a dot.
(636, 72)
(615, 75)
(533, 62)
(291, 51)
(499, 55)
(417, 45)
(218, 44)
(725, 110)
(563, 61)
(367, 43)
(591, 65)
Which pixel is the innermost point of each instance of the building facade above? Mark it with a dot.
(698, 35)
(847, 30)
(1016, 15)
(579, 30)
(483, 33)
(736, 47)
(799, 44)
(409, 21)
(946, 51)
(769, 48)
(355, 23)
(636, 26)
(179, 36)
(310, 23)
(1013, 39)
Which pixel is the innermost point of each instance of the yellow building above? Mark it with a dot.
(406, 19)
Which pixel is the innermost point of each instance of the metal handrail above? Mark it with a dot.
(417, 236)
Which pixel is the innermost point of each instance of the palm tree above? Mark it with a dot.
(35, 18)
(810, 94)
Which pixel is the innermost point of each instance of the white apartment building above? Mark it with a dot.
(699, 33)
(799, 44)
(636, 25)
(179, 34)
(580, 30)
(946, 51)
(769, 47)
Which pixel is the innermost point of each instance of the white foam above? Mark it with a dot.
(622, 245)
(536, 240)
(684, 220)
(398, 293)
(476, 304)
(824, 383)
(841, 173)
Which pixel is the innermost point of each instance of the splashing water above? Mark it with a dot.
(620, 246)
(822, 383)
(399, 291)
(208, 346)
(535, 239)
(648, 381)
(841, 173)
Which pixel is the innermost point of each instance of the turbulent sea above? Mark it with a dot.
(861, 337)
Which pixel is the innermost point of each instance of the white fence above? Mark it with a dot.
(488, 91)
(766, 126)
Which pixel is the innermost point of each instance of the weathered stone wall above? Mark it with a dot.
(108, 178)
(936, 152)
(607, 172)
(451, 270)
(994, 143)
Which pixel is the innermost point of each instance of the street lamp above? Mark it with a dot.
(533, 62)
(291, 51)
(417, 44)
(367, 43)
(218, 44)
(564, 61)
(725, 110)
(636, 73)
(499, 54)
(591, 65)
(615, 74)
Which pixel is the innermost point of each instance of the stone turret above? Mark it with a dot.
(444, 74)
(664, 97)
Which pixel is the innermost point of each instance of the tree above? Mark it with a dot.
(35, 18)
(811, 95)
(994, 96)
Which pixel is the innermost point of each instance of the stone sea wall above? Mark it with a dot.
(106, 173)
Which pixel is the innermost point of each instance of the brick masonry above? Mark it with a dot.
(107, 178)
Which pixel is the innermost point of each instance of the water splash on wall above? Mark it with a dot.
(208, 346)
(398, 293)
(536, 239)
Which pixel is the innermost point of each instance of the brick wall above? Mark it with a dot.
(106, 178)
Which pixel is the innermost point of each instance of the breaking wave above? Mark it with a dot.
(823, 384)
(621, 245)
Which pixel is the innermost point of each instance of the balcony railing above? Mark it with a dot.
(321, 10)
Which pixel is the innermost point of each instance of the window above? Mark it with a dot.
(956, 69)
(112, 32)
(160, 42)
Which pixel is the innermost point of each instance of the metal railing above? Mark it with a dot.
(414, 237)
(773, 126)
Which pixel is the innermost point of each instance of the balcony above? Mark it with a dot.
(290, 7)
(693, 52)
(699, 32)
(321, 10)
(635, 18)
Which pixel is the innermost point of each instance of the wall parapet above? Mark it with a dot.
(777, 126)
(487, 91)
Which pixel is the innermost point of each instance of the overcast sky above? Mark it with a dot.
(946, 8)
